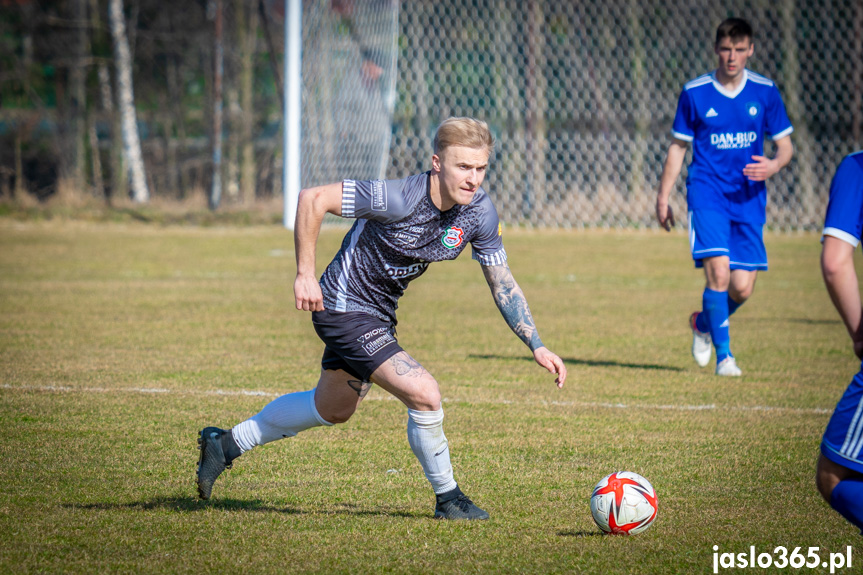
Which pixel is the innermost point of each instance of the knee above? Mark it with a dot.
(427, 400)
(823, 486)
(334, 413)
(741, 293)
(718, 276)
(825, 480)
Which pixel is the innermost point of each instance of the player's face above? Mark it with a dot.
(461, 171)
(733, 55)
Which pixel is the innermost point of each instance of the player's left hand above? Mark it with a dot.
(762, 169)
(552, 363)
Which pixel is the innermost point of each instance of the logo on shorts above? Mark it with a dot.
(379, 196)
(375, 340)
(452, 237)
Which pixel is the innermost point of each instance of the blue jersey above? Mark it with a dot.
(844, 218)
(726, 129)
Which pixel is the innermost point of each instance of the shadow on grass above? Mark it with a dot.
(781, 320)
(588, 362)
(580, 534)
(186, 504)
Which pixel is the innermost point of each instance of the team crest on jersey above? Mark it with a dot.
(452, 237)
(753, 108)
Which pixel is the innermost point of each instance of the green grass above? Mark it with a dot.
(118, 342)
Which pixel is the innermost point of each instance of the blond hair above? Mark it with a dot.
(463, 131)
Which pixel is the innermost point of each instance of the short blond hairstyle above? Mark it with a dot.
(463, 131)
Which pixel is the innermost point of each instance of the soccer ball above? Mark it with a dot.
(623, 503)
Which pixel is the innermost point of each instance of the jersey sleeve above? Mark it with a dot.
(778, 124)
(844, 218)
(683, 127)
(487, 243)
(380, 200)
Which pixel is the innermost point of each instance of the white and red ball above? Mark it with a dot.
(623, 503)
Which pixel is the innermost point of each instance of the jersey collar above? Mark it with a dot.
(721, 89)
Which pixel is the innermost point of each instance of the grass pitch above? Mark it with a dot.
(119, 342)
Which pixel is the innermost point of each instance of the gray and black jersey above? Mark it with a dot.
(398, 233)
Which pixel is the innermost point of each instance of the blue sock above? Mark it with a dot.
(701, 323)
(701, 319)
(732, 306)
(847, 499)
(715, 305)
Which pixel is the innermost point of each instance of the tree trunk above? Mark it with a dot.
(642, 117)
(247, 39)
(218, 69)
(126, 104)
(537, 141)
(796, 110)
(78, 99)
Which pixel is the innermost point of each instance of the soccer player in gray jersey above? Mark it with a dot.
(401, 227)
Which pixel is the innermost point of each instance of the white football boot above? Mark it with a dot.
(701, 343)
(728, 367)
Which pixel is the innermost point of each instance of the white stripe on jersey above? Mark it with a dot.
(699, 81)
(782, 134)
(349, 195)
(853, 435)
(682, 136)
(758, 78)
(496, 259)
(347, 259)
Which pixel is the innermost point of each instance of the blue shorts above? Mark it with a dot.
(356, 342)
(843, 438)
(712, 234)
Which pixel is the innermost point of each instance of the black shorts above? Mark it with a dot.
(356, 342)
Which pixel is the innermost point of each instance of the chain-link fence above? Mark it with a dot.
(581, 96)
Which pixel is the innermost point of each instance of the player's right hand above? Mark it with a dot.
(664, 214)
(307, 293)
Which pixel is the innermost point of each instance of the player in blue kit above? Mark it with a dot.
(725, 115)
(401, 227)
(839, 475)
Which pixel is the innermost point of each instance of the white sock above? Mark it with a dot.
(429, 444)
(285, 416)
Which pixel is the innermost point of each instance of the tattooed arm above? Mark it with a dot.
(513, 307)
(512, 304)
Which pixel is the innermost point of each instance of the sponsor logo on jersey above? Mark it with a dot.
(379, 196)
(452, 237)
(405, 238)
(711, 113)
(405, 271)
(733, 141)
(753, 108)
(373, 341)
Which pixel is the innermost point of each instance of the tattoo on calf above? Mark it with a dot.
(361, 387)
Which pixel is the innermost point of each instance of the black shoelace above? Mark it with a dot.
(463, 502)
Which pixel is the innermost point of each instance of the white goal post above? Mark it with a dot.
(339, 85)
